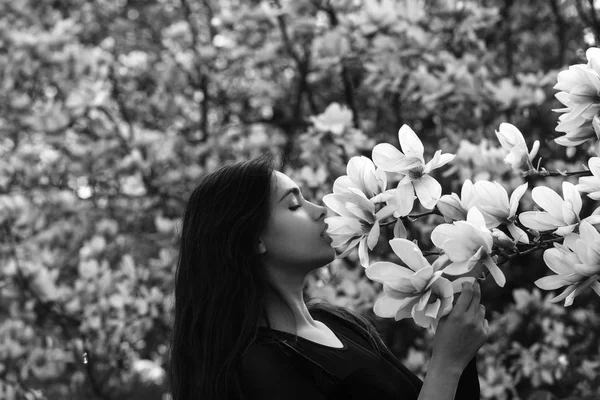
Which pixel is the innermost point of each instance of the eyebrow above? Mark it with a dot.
(294, 190)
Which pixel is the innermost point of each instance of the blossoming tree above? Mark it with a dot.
(481, 229)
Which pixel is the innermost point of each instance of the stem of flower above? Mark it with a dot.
(505, 256)
(544, 172)
(412, 217)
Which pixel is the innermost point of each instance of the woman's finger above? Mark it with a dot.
(474, 305)
(464, 300)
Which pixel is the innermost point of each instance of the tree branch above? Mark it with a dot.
(349, 93)
(544, 173)
(200, 82)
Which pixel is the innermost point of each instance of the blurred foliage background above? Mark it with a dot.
(111, 110)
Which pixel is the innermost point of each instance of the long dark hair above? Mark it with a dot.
(220, 284)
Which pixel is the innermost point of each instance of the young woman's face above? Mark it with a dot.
(294, 236)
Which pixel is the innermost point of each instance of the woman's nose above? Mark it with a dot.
(322, 211)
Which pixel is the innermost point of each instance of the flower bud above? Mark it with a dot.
(451, 208)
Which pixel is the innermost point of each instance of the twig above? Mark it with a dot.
(201, 81)
(349, 93)
(544, 173)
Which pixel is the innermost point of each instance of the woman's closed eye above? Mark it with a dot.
(295, 207)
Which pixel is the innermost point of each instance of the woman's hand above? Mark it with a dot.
(462, 332)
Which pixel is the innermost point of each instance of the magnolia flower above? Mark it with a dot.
(560, 214)
(335, 119)
(454, 208)
(580, 88)
(412, 164)
(591, 184)
(512, 140)
(491, 199)
(576, 263)
(418, 291)
(357, 223)
(468, 244)
(363, 176)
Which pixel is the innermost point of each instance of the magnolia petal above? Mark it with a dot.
(382, 271)
(590, 235)
(351, 245)
(428, 191)
(565, 230)
(405, 199)
(410, 142)
(359, 213)
(336, 203)
(440, 263)
(444, 288)
(436, 275)
(373, 236)
(587, 269)
(409, 253)
(386, 307)
(475, 218)
(515, 197)
(342, 184)
(363, 252)
(495, 271)
(443, 160)
(509, 135)
(587, 253)
(433, 309)
(473, 236)
(400, 230)
(389, 158)
(421, 319)
(572, 195)
(399, 288)
(517, 233)
(433, 162)
(457, 268)
(580, 288)
(403, 313)
(406, 303)
(343, 226)
(420, 278)
(466, 194)
(556, 281)
(491, 194)
(423, 300)
(594, 166)
(441, 233)
(539, 220)
(451, 208)
(385, 212)
(554, 260)
(356, 165)
(549, 200)
(457, 250)
(563, 295)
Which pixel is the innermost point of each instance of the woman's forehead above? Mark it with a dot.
(282, 181)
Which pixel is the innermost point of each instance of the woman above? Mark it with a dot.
(242, 329)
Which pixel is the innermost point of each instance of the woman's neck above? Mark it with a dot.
(292, 317)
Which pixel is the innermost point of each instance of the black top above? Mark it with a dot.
(276, 368)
